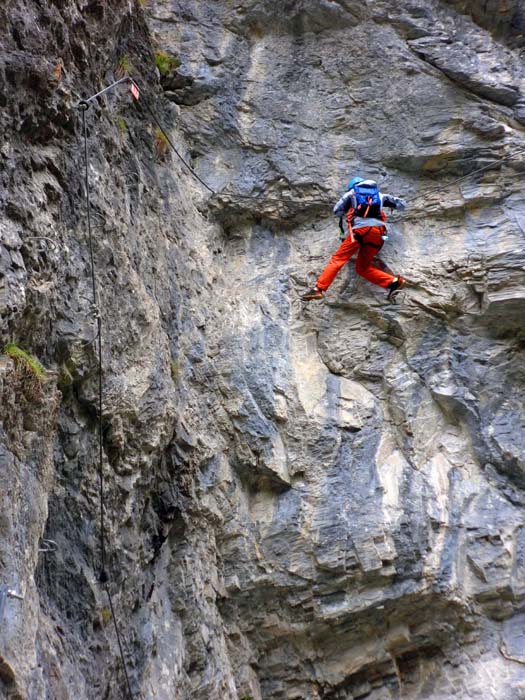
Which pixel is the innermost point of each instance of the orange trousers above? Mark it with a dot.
(363, 264)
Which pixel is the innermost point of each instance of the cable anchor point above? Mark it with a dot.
(5, 593)
(48, 546)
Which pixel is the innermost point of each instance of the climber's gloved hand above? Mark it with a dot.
(400, 204)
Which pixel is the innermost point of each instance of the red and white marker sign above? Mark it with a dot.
(135, 91)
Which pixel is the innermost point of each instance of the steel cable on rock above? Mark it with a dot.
(175, 149)
(83, 105)
(281, 200)
(251, 197)
(119, 641)
(103, 575)
(440, 188)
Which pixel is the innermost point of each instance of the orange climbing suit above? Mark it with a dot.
(369, 245)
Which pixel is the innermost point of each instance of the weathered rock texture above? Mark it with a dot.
(322, 501)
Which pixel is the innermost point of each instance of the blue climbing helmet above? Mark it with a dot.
(355, 181)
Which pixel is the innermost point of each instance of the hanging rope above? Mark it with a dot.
(146, 102)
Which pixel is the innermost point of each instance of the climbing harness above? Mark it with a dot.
(360, 237)
(362, 205)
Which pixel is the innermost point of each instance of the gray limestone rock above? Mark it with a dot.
(315, 501)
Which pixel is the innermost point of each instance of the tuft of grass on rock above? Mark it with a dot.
(65, 378)
(161, 143)
(166, 63)
(175, 370)
(122, 125)
(105, 614)
(25, 362)
(123, 66)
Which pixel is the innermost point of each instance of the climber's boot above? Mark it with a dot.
(394, 287)
(314, 293)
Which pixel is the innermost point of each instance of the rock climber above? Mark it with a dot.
(362, 205)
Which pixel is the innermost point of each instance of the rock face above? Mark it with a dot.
(300, 502)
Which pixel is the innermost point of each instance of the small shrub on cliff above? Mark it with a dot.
(165, 62)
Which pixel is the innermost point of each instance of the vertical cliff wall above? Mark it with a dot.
(321, 501)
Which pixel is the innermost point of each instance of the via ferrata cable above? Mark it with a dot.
(281, 200)
(103, 575)
(440, 188)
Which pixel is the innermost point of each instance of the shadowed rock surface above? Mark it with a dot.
(302, 502)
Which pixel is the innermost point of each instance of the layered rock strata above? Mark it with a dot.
(302, 501)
